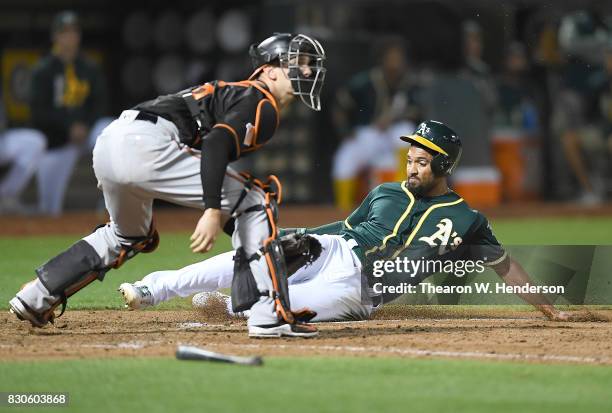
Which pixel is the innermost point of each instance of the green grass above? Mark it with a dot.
(26, 253)
(554, 231)
(301, 383)
(315, 385)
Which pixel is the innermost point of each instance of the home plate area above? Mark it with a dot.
(397, 331)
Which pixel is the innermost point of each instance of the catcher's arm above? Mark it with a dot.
(514, 274)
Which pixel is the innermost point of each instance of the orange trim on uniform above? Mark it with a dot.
(280, 310)
(249, 83)
(270, 98)
(256, 72)
(271, 220)
(207, 89)
(233, 131)
(279, 187)
(202, 90)
(254, 146)
(257, 119)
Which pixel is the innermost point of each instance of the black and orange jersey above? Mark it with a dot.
(225, 120)
(246, 109)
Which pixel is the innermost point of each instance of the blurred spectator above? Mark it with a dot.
(475, 68)
(516, 123)
(468, 101)
(580, 113)
(605, 97)
(583, 35)
(371, 111)
(69, 97)
(21, 149)
(515, 90)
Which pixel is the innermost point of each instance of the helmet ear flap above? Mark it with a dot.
(441, 165)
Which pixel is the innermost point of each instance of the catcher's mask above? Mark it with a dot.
(302, 55)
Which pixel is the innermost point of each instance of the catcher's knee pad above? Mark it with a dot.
(272, 191)
(146, 244)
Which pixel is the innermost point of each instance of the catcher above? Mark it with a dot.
(177, 148)
(418, 218)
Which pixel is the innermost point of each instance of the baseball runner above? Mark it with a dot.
(418, 218)
(177, 148)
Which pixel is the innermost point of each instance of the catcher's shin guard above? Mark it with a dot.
(273, 252)
(275, 259)
(76, 268)
(244, 289)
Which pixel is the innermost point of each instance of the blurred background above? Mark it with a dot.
(527, 84)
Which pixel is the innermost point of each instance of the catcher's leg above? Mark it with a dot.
(260, 276)
(109, 246)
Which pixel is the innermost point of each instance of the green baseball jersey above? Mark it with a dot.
(393, 222)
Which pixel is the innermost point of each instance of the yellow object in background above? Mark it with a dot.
(75, 90)
(17, 66)
(401, 154)
(344, 193)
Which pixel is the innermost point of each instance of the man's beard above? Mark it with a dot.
(421, 188)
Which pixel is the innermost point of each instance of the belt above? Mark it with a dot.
(149, 117)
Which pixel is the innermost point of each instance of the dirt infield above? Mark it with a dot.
(425, 332)
(166, 219)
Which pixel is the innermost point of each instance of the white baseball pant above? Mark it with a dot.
(369, 148)
(331, 286)
(23, 148)
(56, 167)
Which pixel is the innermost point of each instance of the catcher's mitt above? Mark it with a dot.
(300, 250)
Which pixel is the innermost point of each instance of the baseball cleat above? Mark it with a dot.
(24, 313)
(283, 330)
(136, 297)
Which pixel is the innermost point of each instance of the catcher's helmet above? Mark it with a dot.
(440, 139)
(294, 52)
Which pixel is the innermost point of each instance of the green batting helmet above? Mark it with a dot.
(440, 139)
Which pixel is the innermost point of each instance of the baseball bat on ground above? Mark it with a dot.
(195, 353)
